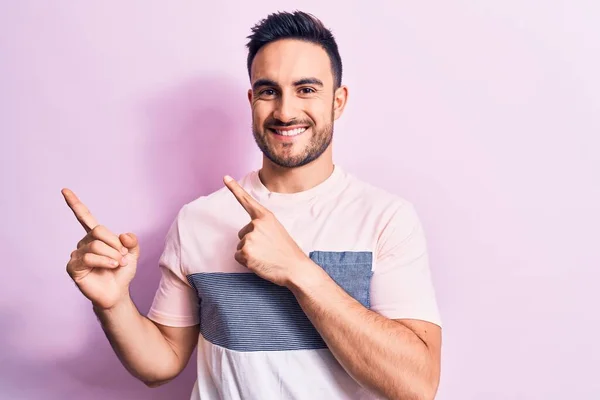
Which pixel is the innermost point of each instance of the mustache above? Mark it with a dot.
(274, 122)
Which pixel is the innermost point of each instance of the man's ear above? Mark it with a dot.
(340, 99)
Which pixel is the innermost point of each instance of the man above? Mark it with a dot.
(298, 282)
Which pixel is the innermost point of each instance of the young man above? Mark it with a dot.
(298, 282)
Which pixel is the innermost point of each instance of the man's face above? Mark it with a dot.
(293, 102)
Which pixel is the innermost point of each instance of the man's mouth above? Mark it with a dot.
(289, 131)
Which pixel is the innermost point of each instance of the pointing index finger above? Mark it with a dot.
(253, 207)
(82, 213)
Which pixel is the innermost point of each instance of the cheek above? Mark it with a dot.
(319, 113)
(260, 111)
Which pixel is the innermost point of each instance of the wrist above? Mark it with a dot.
(306, 278)
(122, 303)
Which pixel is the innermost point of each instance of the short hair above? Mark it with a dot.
(297, 25)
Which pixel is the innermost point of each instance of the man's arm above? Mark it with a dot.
(102, 267)
(153, 353)
(399, 359)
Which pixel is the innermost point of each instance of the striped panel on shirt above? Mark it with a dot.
(243, 312)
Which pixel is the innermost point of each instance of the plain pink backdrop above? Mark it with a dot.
(483, 114)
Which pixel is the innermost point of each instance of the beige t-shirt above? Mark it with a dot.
(255, 340)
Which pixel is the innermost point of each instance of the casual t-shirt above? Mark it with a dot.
(255, 341)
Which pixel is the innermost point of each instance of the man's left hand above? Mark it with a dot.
(265, 247)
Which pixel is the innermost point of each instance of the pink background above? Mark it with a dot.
(484, 114)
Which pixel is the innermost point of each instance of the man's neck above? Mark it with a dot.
(293, 180)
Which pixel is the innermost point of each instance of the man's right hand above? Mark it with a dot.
(103, 264)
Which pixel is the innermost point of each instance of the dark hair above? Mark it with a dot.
(297, 25)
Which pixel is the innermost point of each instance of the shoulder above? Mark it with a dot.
(396, 216)
(375, 197)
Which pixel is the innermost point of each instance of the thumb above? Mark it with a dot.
(130, 241)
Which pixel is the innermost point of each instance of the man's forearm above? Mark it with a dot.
(139, 344)
(382, 355)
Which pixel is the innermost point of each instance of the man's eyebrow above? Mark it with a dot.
(303, 81)
(263, 82)
(309, 81)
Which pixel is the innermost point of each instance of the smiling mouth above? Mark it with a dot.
(289, 132)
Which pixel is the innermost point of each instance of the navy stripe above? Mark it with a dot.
(243, 312)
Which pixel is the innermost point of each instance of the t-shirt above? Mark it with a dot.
(255, 341)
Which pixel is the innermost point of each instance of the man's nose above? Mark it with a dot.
(286, 109)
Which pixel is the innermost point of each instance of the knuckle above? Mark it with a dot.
(97, 231)
(95, 246)
(87, 258)
(246, 250)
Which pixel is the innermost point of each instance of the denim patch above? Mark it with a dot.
(351, 270)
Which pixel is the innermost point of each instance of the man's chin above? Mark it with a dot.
(287, 161)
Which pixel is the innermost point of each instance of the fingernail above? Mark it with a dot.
(114, 263)
(124, 251)
(228, 179)
(124, 262)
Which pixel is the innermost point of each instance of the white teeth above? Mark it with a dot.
(293, 132)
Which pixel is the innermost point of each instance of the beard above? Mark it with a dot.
(319, 142)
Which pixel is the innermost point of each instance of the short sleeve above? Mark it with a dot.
(401, 285)
(175, 302)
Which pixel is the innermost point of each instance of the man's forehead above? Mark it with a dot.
(287, 61)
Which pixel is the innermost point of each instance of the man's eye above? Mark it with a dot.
(267, 92)
(307, 90)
